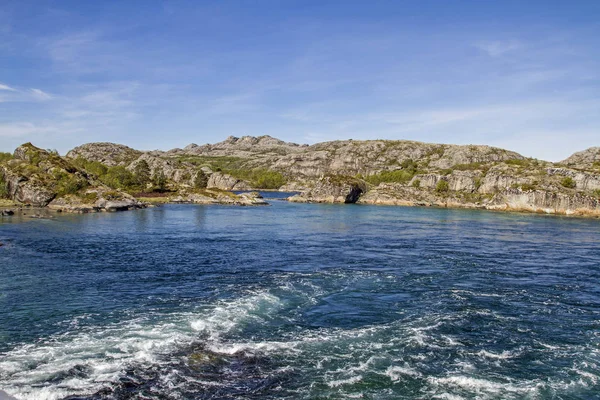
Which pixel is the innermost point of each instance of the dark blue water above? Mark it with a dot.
(300, 301)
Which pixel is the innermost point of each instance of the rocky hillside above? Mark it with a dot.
(110, 177)
(587, 159)
(39, 178)
(374, 172)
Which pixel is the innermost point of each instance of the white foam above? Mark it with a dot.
(396, 373)
(482, 386)
(105, 352)
(349, 381)
(505, 355)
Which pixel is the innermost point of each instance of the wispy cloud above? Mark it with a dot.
(18, 95)
(499, 47)
(40, 94)
(6, 87)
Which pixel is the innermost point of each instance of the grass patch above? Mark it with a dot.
(398, 176)
(259, 178)
(404, 175)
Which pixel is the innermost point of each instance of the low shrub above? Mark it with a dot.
(398, 176)
(259, 178)
(568, 182)
(442, 186)
(3, 188)
(5, 156)
(68, 183)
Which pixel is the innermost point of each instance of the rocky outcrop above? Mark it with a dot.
(508, 199)
(223, 181)
(109, 154)
(583, 180)
(586, 159)
(242, 147)
(26, 189)
(103, 202)
(170, 168)
(541, 201)
(221, 197)
(40, 178)
(333, 189)
(352, 157)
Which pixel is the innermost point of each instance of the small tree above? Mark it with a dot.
(200, 180)
(142, 173)
(159, 181)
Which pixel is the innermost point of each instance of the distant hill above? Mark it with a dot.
(372, 171)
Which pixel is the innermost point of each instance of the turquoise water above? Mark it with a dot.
(300, 301)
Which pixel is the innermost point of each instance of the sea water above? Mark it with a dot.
(300, 301)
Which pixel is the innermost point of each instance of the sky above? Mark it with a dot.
(521, 75)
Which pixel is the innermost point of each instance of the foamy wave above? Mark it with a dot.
(91, 359)
(348, 381)
(397, 373)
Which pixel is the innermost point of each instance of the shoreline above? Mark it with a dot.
(32, 212)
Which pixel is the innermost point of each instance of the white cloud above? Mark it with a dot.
(498, 48)
(40, 94)
(6, 87)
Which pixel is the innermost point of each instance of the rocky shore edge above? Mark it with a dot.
(352, 190)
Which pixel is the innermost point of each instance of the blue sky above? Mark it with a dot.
(522, 75)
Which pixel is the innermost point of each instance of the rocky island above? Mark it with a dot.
(112, 177)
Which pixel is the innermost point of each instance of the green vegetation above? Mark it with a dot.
(200, 180)
(404, 175)
(438, 150)
(442, 186)
(93, 167)
(5, 157)
(596, 193)
(118, 177)
(141, 173)
(478, 182)
(521, 163)
(159, 182)
(398, 176)
(568, 182)
(259, 178)
(416, 183)
(3, 188)
(66, 183)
